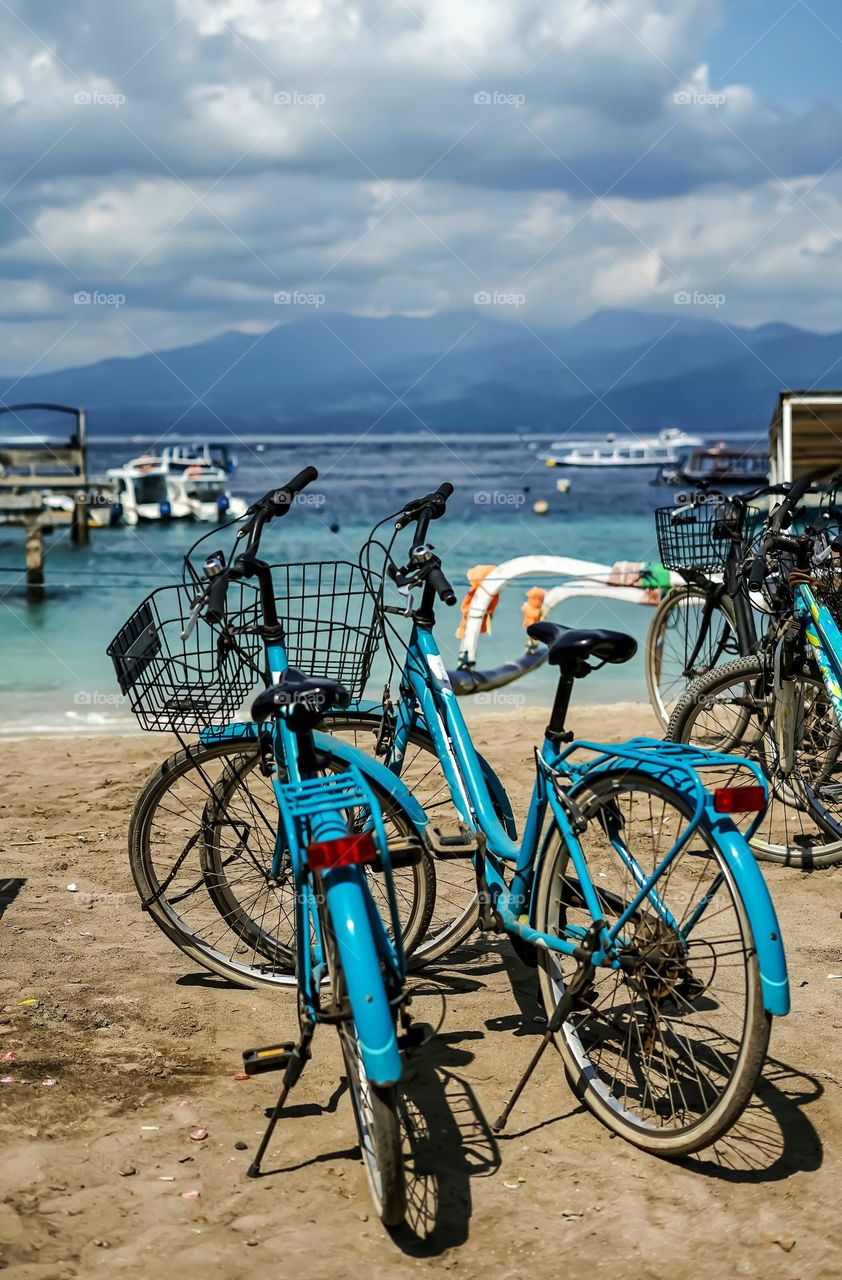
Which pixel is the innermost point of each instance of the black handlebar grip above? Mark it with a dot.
(441, 586)
(281, 499)
(439, 499)
(757, 576)
(217, 594)
(299, 482)
(782, 517)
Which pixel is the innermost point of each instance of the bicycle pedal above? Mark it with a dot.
(458, 844)
(402, 853)
(273, 1057)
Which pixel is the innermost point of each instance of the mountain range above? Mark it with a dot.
(454, 371)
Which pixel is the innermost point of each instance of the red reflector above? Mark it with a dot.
(739, 800)
(347, 851)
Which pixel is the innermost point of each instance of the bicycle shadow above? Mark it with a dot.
(9, 890)
(773, 1138)
(447, 1143)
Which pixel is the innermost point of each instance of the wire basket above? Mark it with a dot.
(330, 621)
(189, 684)
(700, 537)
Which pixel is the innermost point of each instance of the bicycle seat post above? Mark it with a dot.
(555, 730)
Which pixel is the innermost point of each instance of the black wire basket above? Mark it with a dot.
(189, 683)
(700, 536)
(330, 619)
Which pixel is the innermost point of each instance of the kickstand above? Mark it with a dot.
(292, 1073)
(581, 979)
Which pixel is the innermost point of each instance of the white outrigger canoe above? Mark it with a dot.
(634, 583)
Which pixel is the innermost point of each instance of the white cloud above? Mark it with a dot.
(380, 181)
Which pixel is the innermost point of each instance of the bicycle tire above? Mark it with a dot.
(375, 1107)
(812, 832)
(217, 939)
(665, 993)
(664, 693)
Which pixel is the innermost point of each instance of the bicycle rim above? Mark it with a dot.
(733, 710)
(671, 640)
(669, 1047)
(202, 840)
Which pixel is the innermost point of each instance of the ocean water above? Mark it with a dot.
(55, 676)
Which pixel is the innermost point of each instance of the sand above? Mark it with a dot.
(143, 1048)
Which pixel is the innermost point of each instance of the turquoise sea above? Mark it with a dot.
(55, 676)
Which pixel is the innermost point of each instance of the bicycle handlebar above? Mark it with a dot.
(432, 506)
(773, 540)
(427, 567)
(272, 505)
(441, 586)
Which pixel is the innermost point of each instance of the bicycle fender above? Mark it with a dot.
(761, 914)
(377, 772)
(360, 962)
(243, 731)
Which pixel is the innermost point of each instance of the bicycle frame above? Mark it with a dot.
(825, 640)
(732, 588)
(426, 694)
(373, 964)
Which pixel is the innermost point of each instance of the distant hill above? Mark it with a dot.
(455, 371)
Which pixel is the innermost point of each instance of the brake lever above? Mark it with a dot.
(195, 613)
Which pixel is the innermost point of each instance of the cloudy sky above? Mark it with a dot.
(182, 164)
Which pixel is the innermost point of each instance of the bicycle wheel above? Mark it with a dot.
(376, 1107)
(667, 1049)
(733, 710)
(451, 906)
(201, 843)
(671, 639)
(376, 1112)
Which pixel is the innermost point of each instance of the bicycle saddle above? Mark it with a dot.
(568, 645)
(315, 694)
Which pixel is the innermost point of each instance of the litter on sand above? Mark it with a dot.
(71, 888)
(199, 1135)
(7, 1079)
(49, 1081)
(8, 1055)
(190, 1195)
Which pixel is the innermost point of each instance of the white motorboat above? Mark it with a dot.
(197, 481)
(140, 488)
(201, 492)
(183, 482)
(623, 451)
(180, 456)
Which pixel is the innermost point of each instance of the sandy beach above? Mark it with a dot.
(121, 1048)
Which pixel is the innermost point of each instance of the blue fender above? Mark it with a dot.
(371, 768)
(369, 1001)
(760, 910)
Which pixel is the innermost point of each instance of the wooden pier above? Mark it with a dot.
(44, 481)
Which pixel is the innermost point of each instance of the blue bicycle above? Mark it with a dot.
(659, 954)
(782, 706)
(328, 830)
(204, 844)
